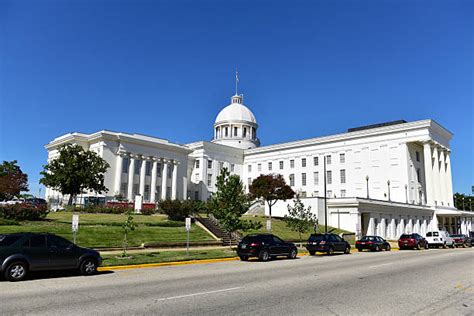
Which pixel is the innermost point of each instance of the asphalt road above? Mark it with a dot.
(436, 281)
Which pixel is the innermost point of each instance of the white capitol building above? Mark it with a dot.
(383, 179)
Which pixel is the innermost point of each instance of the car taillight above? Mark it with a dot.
(254, 244)
(357, 242)
(322, 242)
(370, 242)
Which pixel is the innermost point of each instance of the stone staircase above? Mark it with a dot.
(212, 224)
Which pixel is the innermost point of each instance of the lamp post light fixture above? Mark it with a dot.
(367, 180)
(388, 185)
(406, 193)
(463, 203)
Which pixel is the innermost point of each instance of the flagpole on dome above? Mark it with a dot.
(236, 80)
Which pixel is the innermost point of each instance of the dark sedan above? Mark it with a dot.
(412, 241)
(24, 252)
(328, 243)
(372, 243)
(265, 247)
(461, 240)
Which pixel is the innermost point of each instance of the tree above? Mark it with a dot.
(299, 218)
(128, 226)
(463, 201)
(12, 180)
(229, 203)
(75, 170)
(270, 188)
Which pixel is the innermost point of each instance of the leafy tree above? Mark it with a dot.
(270, 188)
(230, 202)
(75, 170)
(127, 227)
(299, 218)
(12, 180)
(463, 201)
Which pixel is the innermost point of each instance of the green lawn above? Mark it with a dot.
(280, 229)
(168, 256)
(104, 230)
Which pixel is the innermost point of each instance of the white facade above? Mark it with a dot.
(377, 176)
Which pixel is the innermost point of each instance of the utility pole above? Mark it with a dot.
(325, 199)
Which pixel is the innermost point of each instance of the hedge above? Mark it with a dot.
(23, 211)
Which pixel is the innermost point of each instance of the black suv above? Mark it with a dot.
(328, 243)
(24, 252)
(265, 246)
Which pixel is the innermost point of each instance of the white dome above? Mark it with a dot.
(235, 112)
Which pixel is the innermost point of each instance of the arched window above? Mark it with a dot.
(244, 134)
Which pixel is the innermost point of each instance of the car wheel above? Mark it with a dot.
(88, 266)
(427, 246)
(312, 253)
(292, 254)
(244, 258)
(347, 250)
(417, 247)
(377, 248)
(360, 249)
(330, 251)
(444, 246)
(388, 248)
(264, 255)
(16, 271)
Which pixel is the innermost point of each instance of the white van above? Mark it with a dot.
(439, 239)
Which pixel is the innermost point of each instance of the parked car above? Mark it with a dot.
(328, 243)
(373, 243)
(265, 247)
(412, 241)
(461, 240)
(36, 201)
(439, 239)
(22, 253)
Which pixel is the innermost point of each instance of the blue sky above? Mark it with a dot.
(165, 68)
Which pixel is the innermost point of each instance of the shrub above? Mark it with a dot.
(23, 211)
(106, 209)
(178, 210)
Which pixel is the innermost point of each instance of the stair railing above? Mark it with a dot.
(234, 235)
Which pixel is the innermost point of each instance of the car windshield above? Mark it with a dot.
(406, 236)
(368, 238)
(457, 235)
(8, 240)
(316, 237)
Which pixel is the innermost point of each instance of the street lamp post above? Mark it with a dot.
(367, 180)
(463, 203)
(406, 193)
(325, 199)
(388, 185)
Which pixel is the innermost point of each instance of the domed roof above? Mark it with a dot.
(236, 111)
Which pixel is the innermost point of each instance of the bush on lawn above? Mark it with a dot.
(23, 212)
(178, 210)
(106, 209)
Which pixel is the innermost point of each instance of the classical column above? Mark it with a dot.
(442, 178)
(437, 193)
(142, 177)
(164, 178)
(131, 171)
(174, 180)
(449, 179)
(118, 173)
(153, 180)
(427, 155)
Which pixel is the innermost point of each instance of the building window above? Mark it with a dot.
(328, 159)
(137, 166)
(123, 188)
(254, 133)
(269, 166)
(250, 168)
(249, 182)
(232, 167)
(158, 170)
(235, 131)
(158, 191)
(209, 164)
(417, 153)
(226, 131)
(168, 193)
(147, 192)
(316, 193)
(196, 195)
(125, 164)
(281, 165)
(292, 163)
(196, 177)
(329, 177)
(135, 190)
(148, 168)
(169, 173)
(303, 162)
(316, 178)
(418, 176)
(343, 175)
(343, 193)
(209, 179)
(221, 165)
(259, 167)
(342, 158)
(244, 134)
(315, 161)
(303, 194)
(329, 193)
(292, 180)
(303, 179)
(197, 164)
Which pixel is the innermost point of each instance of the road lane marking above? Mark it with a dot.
(198, 294)
(381, 265)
